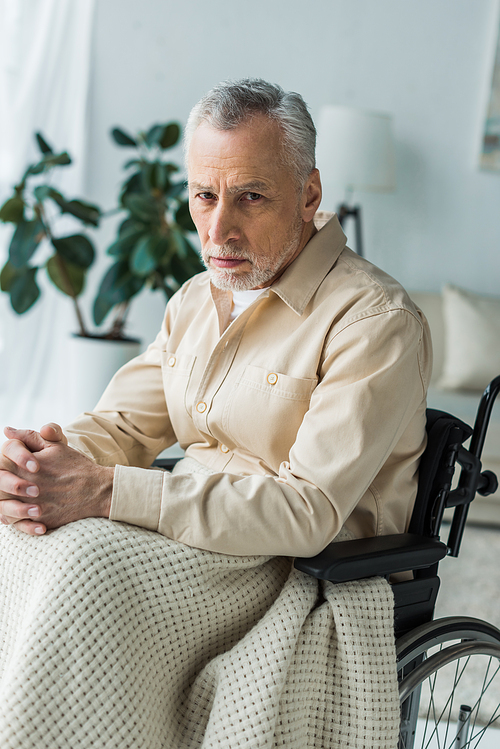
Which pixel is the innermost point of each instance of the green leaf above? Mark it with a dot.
(178, 241)
(86, 212)
(42, 192)
(34, 169)
(148, 254)
(132, 162)
(130, 225)
(122, 138)
(42, 144)
(7, 275)
(184, 267)
(148, 176)
(154, 135)
(127, 238)
(175, 190)
(118, 285)
(170, 136)
(180, 270)
(102, 306)
(12, 210)
(24, 291)
(183, 217)
(76, 249)
(24, 241)
(162, 177)
(69, 278)
(48, 162)
(142, 207)
(132, 186)
(63, 159)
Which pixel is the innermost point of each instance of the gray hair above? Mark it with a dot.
(231, 103)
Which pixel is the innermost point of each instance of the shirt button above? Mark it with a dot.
(224, 449)
(272, 378)
(171, 361)
(201, 407)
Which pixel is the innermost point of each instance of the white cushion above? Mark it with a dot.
(472, 339)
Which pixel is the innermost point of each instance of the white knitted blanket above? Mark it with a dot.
(114, 636)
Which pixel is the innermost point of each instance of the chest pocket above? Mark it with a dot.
(265, 410)
(177, 369)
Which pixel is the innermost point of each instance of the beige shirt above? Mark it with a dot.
(309, 407)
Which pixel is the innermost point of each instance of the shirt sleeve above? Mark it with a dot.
(370, 395)
(130, 424)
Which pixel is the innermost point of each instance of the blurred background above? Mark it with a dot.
(74, 69)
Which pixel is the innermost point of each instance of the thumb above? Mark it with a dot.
(32, 440)
(53, 433)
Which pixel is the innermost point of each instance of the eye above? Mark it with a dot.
(252, 197)
(206, 195)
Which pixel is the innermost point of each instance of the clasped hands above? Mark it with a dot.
(45, 483)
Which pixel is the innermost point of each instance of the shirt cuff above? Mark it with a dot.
(136, 497)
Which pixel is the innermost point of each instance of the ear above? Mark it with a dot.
(311, 196)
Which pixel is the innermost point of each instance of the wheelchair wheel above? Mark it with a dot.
(449, 685)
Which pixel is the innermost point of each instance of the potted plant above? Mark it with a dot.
(33, 209)
(151, 248)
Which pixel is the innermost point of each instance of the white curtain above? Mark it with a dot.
(45, 56)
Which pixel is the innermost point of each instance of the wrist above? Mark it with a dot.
(105, 491)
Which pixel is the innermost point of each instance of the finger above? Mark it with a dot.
(12, 510)
(14, 486)
(33, 440)
(31, 528)
(17, 452)
(53, 433)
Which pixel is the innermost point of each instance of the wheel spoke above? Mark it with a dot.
(462, 660)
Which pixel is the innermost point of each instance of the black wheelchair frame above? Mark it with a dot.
(458, 640)
(419, 552)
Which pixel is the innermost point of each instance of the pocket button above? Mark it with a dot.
(272, 378)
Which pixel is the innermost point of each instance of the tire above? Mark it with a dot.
(442, 666)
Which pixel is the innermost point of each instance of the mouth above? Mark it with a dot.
(227, 262)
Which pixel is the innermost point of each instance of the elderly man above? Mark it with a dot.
(293, 372)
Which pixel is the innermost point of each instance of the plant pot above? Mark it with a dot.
(93, 361)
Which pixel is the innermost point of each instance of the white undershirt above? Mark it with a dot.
(242, 300)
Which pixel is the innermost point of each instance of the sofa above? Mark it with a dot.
(465, 331)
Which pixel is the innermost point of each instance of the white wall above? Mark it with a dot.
(425, 61)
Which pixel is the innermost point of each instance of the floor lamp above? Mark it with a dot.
(355, 151)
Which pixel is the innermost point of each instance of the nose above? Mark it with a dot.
(223, 224)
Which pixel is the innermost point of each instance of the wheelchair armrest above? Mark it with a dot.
(370, 557)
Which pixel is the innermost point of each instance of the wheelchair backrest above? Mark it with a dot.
(445, 436)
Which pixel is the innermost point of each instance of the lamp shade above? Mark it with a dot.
(355, 149)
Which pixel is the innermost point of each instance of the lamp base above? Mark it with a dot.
(344, 211)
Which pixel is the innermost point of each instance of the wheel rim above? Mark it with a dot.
(464, 672)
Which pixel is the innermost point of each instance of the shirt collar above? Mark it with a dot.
(303, 277)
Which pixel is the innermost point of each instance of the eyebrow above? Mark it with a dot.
(253, 186)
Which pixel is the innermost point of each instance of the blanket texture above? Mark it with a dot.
(114, 636)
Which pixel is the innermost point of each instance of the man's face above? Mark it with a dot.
(245, 204)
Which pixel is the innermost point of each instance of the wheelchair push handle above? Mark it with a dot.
(472, 480)
(483, 416)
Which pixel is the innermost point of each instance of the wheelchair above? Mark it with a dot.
(440, 663)
(436, 660)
